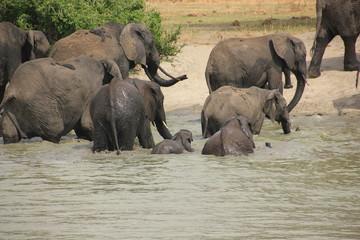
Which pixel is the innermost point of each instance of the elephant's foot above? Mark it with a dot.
(351, 67)
(313, 73)
(288, 85)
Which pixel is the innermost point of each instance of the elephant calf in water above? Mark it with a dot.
(181, 140)
(253, 103)
(235, 137)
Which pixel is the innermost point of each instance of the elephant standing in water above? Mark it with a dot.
(16, 47)
(235, 137)
(259, 61)
(180, 141)
(253, 103)
(336, 17)
(126, 44)
(48, 99)
(122, 111)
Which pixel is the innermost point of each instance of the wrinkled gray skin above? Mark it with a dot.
(126, 44)
(253, 103)
(180, 141)
(48, 99)
(123, 110)
(259, 61)
(16, 47)
(335, 17)
(235, 137)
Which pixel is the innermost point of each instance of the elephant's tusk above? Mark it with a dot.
(164, 123)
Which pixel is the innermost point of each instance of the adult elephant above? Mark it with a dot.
(122, 111)
(126, 44)
(259, 61)
(47, 98)
(235, 137)
(17, 46)
(253, 103)
(335, 17)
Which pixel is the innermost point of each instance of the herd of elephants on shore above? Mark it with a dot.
(82, 83)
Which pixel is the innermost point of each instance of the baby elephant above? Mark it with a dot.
(253, 103)
(180, 141)
(235, 138)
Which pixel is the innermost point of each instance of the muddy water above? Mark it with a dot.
(307, 186)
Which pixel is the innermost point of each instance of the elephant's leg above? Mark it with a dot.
(10, 133)
(350, 61)
(288, 83)
(274, 79)
(84, 128)
(101, 138)
(322, 40)
(145, 136)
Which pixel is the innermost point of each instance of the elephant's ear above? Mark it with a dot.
(269, 107)
(284, 47)
(112, 68)
(133, 45)
(150, 95)
(27, 50)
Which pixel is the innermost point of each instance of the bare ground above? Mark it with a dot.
(333, 93)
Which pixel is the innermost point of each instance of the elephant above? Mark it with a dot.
(258, 61)
(180, 141)
(335, 17)
(17, 46)
(253, 103)
(122, 111)
(126, 44)
(235, 137)
(49, 98)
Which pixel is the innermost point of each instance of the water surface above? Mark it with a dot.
(307, 186)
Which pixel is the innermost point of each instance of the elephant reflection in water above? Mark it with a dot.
(122, 111)
(235, 138)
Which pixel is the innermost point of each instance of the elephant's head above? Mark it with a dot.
(36, 45)
(235, 133)
(293, 52)
(154, 105)
(275, 109)
(139, 47)
(185, 138)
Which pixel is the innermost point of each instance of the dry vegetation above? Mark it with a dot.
(208, 21)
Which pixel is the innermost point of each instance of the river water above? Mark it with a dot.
(307, 186)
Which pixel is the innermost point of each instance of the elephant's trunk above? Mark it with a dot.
(286, 126)
(301, 81)
(162, 129)
(153, 76)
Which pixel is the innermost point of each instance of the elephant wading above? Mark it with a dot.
(47, 98)
(122, 111)
(253, 103)
(335, 17)
(126, 44)
(16, 47)
(259, 61)
(235, 137)
(180, 141)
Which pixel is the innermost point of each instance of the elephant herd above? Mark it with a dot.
(82, 83)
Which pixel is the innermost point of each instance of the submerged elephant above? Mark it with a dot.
(48, 99)
(335, 17)
(122, 111)
(126, 44)
(235, 137)
(16, 47)
(253, 103)
(258, 61)
(180, 141)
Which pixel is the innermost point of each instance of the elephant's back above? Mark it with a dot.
(83, 42)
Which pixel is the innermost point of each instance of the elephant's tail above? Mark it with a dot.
(113, 125)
